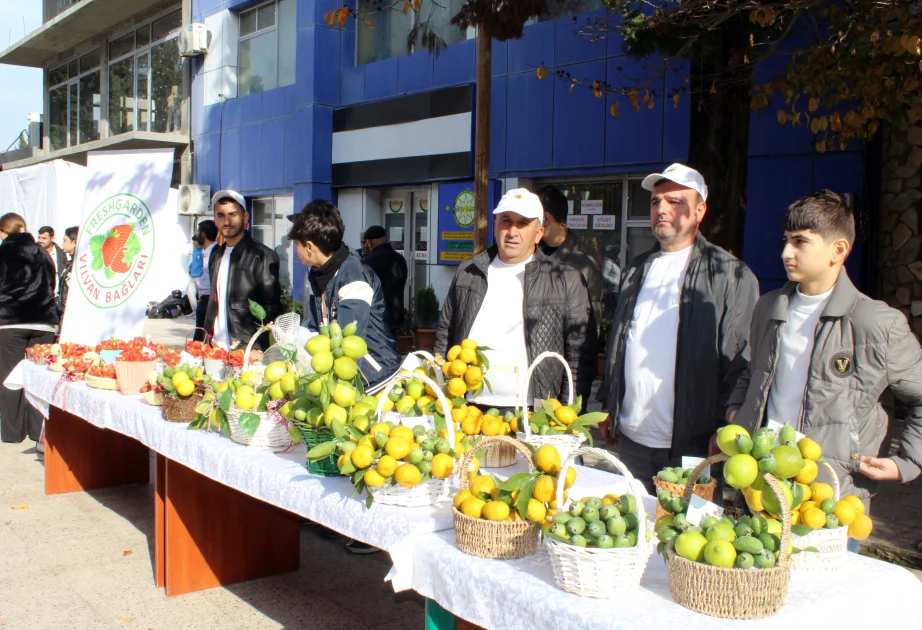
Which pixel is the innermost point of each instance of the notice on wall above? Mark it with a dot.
(577, 222)
(603, 222)
(591, 206)
(421, 256)
(456, 220)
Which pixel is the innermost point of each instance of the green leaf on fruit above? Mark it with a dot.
(257, 311)
(593, 418)
(525, 493)
(249, 422)
(438, 420)
(549, 534)
(514, 482)
(483, 357)
(486, 382)
(576, 405)
(225, 400)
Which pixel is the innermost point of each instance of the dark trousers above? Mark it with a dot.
(200, 310)
(643, 462)
(17, 417)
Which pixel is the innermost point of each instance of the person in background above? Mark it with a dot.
(823, 353)
(207, 235)
(195, 273)
(363, 250)
(520, 303)
(28, 316)
(391, 269)
(679, 334)
(58, 257)
(242, 269)
(69, 245)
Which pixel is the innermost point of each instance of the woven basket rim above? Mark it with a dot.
(523, 524)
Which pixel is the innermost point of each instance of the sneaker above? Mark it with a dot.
(40, 447)
(356, 546)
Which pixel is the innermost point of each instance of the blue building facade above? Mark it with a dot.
(276, 146)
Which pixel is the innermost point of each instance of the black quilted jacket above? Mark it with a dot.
(27, 283)
(558, 318)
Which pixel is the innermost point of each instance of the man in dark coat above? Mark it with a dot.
(391, 269)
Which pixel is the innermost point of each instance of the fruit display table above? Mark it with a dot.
(224, 513)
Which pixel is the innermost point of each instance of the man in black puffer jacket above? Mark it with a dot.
(520, 303)
(28, 316)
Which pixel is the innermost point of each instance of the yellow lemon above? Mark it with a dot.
(471, 425)
(398, 447)
(495, 511)
(452, 353)
(456, 388)
(245, 401)
(458, 414)
(404, 432)
(407, 475)
(809, 449)
(806, 505)
(482, 484)
(444, 368)
(753, 499)
(404, 404)
(373, 478)
(611, 498)
(807, 492)
(565, 415)
(554, 403)
(548, 459)
(808, 473)
(416, 389)
(469, 343)
(545, 488)
(795, 517)
(861, 527)
(820, 491)
(381, 427)
(387, 465)
(536, 511)
(845, 512)
(457, 368)
(473, 377)
(570, 479)
(460, 497)
(362, 456)
(491, 426)
(468, 355)
(473, 507)
(855, 502)
(178, 378)
(185, 388)
(814, 518)
(442, 465)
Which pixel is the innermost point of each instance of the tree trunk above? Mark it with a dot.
(719, 141)
(482, 140)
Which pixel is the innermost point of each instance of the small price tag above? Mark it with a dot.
(698, 508)
(777, 426)
(692, 462)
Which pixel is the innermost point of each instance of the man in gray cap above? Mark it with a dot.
(391, 269)
(679, 335)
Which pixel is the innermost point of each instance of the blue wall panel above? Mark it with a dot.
(278, 103)
(305, 66)
(251, 108)
(326, 61)
(498, 57)
(767, 137)
(205, 160)
(381, 79)
(632, 138)
(231, 117)
(579, 119)
(497, 125)
(536, 48)
(455, 65)
(347, 59)
(230, 158)
(414, 73)
(570, 46)
(273, 154)
(530, 125)
(250, 158)
(298, 140)
(676, 119)
(322, 145)
(352, 86)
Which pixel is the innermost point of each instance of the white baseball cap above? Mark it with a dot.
(522, 202)
(681, 175)
(233, 194)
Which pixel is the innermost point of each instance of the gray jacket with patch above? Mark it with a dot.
(862, 347)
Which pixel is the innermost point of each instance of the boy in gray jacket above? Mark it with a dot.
(822, 353)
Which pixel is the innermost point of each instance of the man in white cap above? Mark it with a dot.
(241, 269)
(520, 303)
(679, 336)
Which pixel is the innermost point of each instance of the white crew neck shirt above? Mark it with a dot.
(798, 333)
(221, 332)
(647, 412)
(500, 325)
(204, 283)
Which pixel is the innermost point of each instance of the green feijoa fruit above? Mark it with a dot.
(616, 526)
(667, 533)
(681, 522)
(579, 541)
(708, 521)
(622, 542)
(596, 528)
(765, 560)
(576, 525)
(560, 518)
(576, 508)
(770, 542)
(608, 512)
(749, 545)
(590, 514)
(631, 520)
(745, 560)
(742, 530)
(668, 476)
(605, 542)
(594, 502)
(679, 505)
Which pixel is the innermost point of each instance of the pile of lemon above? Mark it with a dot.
(521, 497)
(473, 421)
(551, 417)
(182, 380)
(464, 368)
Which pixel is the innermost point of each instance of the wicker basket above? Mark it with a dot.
(99, 382)
(318, 435)
(152, 398)
(705, 491)
(428, 492)
(830, 544)
(600, 573)
(565, 444)
(270, 434)
(498, 540)
(132, 375)
(175, 409)
(732, 593)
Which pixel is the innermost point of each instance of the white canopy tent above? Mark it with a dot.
(50, 193)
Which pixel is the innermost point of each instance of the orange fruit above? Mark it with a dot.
(861, 527)
(855, 502)
(845, 512)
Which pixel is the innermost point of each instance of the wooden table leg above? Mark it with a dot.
(160, 520)
(216, 535)
(80, 456)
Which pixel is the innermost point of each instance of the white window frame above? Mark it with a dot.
(75, 81)
(258, 32)
(138, 51)
(277, 239)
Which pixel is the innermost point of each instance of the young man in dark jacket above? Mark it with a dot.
(338, 286)
(517, 301)
(391, 269)
(242, 269)
(679, 334)
(823, 353)
(28, 315)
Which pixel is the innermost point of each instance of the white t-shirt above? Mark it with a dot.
(221, 333)
(647, 412)
(500, 325)
(798, 333)
(204, 283)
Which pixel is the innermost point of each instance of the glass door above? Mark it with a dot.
(406, 222)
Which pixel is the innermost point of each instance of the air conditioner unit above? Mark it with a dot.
(194, 199)
(193, 41)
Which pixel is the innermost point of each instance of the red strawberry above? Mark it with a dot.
(118, 264)
(114, 245)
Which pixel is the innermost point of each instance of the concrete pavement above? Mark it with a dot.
(83, 561)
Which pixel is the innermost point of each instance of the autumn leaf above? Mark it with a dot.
(406, 8)
(675, 101)
(614, 109)
(21, 506)
(713, 88)
(126, 553)
(782, 117)
(650, 104)
(821, 146)
(541, 72)
(813, 104)
(596, 89)
(329, 17)
(416, 4)
(122, 619)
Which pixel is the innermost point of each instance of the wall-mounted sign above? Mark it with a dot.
(591, 206)
(394, 205)
(421, 256)
(423, 205)
(456, 217)
(577, 222)
(603, 222)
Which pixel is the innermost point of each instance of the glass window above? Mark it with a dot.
(388, 37)
(121, 46)
(72, 70)
(270, 227)
(121, 96)
(57, 75)
(166, 26)
(142, 35)
(72, 115)
(639, 240)
(440, 14)
(57, 125)
(567, 8)
(89, 108)
(89, 61)
(266, 51)
(143, 92)
(165, 88)
(638, 201)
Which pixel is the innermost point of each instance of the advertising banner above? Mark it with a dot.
(456, 221)
(130, 249)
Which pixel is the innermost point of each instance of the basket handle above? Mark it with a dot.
(531, 369)
(835, 480)
(246, 353)
(607, 456)
(487, 441)
(773, 483)
(428, 357)
(208, 335)
(449, 423)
